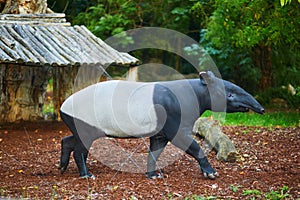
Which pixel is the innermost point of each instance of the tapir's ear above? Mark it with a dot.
(206, 77)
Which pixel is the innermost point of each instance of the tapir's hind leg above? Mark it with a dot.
(67, 146)
(80, 156)
(157, 145)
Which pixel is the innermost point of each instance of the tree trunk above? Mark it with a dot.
(262, 60)
(210, 130)
(25, 7)
(23, 90)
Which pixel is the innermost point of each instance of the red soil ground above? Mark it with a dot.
(29, 154)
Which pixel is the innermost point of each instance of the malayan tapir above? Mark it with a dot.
(163, 111)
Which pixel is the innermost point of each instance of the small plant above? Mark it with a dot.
(23, 192)
(277, 195)
(235, 188)
(196, 197)
(170, 196)
(273, 195)
(253, 193)
(133, 197)
(2, 192)
(53, 192)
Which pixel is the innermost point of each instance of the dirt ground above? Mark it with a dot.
(29, 154)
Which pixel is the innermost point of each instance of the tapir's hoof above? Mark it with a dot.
(154, 175)
(211, 175)
(91, 176)
(61, 169)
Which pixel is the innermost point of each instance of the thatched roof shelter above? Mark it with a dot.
(47, 39)
(34, 47)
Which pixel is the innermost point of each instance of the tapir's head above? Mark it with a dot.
(234, 98)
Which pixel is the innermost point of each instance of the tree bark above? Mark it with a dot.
(25, 7)
(210, 130)
(23, 90)
(262, 60)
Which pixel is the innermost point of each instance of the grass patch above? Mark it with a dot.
(282, 119)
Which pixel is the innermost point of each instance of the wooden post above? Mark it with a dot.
(210, 130)
(63, 86)
(132, 74)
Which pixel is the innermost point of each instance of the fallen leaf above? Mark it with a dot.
(246, 155)
(115, 187)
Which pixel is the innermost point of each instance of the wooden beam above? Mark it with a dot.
(132, 74)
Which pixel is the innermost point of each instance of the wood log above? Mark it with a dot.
(28, 7)
(210, 130)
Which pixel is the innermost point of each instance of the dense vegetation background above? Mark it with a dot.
(254, 43)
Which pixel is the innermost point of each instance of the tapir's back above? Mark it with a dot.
(118, 108)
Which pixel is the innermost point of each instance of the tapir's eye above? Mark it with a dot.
(230, 95)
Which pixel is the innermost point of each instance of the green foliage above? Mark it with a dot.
(196, 197)
(251, 192)
(235, 188)
(107, 18)
(284, 119)
(285, 2)
(70, 8)
(234, 64)
(248, 23)
(273, 195)
(231, 32)
(236, 33)
(2, 192)
(278, 195)
(281, 94)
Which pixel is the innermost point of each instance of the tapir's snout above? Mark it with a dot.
(238, 100)
(250, 103)
(262, 111)
(259, 110)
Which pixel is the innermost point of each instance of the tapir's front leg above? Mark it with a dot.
(195, 151)
(185, 141)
